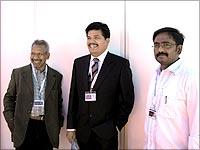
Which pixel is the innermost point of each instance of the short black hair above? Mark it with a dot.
(41, 43)
(99, 26)
(175, 33)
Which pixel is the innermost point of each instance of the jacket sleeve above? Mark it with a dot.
(72, 104)
(126, 97)
(9, 102)
(60, 112)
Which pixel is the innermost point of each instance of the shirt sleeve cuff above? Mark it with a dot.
(71, 129)
(193, 142)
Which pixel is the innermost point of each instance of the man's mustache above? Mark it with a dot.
(161, 53)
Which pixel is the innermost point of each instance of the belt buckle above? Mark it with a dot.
(41, 117)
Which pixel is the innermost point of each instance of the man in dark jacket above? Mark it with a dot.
(33, 102)
(101, 95)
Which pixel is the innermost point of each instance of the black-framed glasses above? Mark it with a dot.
(166, 45)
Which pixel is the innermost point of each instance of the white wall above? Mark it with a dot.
(62, 24)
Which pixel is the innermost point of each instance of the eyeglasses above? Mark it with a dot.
(163, 45)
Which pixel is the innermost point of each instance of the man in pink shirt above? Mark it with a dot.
(173, 99)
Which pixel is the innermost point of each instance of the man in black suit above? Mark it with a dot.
(101, 94)
(33, 102)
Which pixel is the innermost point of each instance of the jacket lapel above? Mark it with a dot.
(51, 77)
(28, 78)
(83, 71)
(104, 70)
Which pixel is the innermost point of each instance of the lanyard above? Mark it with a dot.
(160, 81)
(95, 77)
(94, 80)
(156, 97)
(43, 82)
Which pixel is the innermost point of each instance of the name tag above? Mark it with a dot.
(38, 103)
(90, 96)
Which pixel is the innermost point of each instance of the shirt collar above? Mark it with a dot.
(100, 57)
(37, 71)
(172, 68)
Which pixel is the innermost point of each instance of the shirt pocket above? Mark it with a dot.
(171, 106)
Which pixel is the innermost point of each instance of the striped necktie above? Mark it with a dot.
(95, 67)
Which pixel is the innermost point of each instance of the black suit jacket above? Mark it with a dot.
(18, 102)
(114, 98)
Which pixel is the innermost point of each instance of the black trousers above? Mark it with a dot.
(97, 143)
(36, 137)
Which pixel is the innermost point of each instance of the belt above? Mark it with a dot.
(41, 117)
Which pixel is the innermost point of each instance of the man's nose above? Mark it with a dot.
(161, 49)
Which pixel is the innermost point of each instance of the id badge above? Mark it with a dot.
(38, 103)
(90, 96)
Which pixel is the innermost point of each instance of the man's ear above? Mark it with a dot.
(179, 49)
(48, 55)
(108, 40)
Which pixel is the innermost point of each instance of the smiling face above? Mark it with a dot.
(96, 42)
(166, 51)
(39, 56)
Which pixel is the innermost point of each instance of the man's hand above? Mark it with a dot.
(71, 136)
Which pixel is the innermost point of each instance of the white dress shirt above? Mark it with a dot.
(174, 94)
(100, 63)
